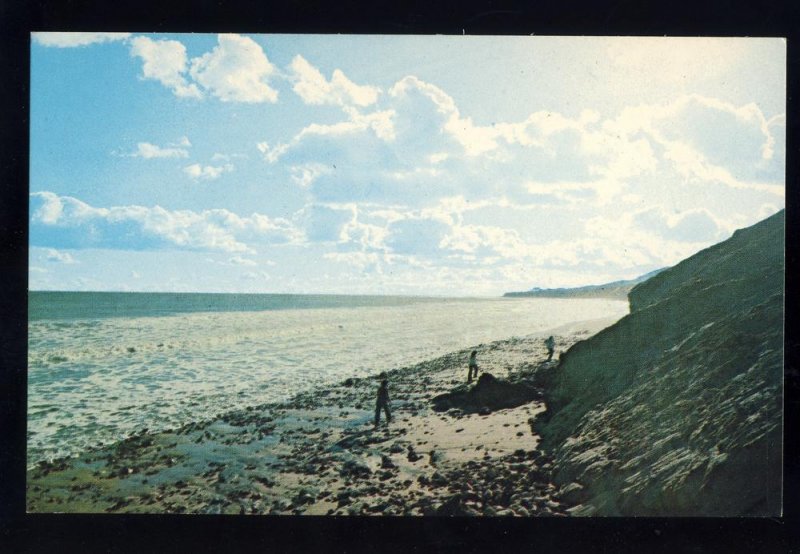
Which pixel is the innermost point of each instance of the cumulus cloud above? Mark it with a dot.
(165, 61)
(207, 172)
(697, 225)
(330, 137)
(326, 223)
(147, 150)
(654, 237)
(255, 276)
(304, 175)
(66, 222)
(363, 261)
(474, 139)
(642, 156)
(53, 255)
(418, 136)
(417, 236)
(238, 260)
(709, 140)
(236, 70)
(71, 40)
(310, 84)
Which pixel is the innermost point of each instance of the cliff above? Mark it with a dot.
(677, 408)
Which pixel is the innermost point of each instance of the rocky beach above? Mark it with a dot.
(450, 449)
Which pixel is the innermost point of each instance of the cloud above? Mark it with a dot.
(236, 70)
(220, 157)
(238, 260)
(326, 223)
(413, 94)
(415, 149)
(697, 225)
(418, 136)
(53, 255)
(654, 237)
(417, 236)
(165, 61)
(304, 175)
(71, 40)
(148, 151)
(485, 241)
(255, 276)
(310, 84)
(368, 262)
(709, 140)
(328, 137)
(66, 222)
(207, 172)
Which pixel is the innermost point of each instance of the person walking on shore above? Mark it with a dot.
(382, 403)
(550, 343)
(473, 366)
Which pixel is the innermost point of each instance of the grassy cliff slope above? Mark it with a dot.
(676, 409)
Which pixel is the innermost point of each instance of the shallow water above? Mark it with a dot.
(94, 380)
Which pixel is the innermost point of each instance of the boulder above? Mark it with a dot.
(355, 468)
(488, 394)
(454, 506)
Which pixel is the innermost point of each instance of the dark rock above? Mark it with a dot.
(454, 506)
(488, 392)
(387, 463)
(304, 496)
(412, 454)
(438, 480)
(355, 468)
(573, 493)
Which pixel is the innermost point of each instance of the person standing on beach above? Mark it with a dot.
(383, 403)
(473, 366)
(550, 343)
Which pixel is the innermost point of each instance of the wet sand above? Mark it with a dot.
(319, 452)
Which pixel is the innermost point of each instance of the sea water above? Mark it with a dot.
(104, 365)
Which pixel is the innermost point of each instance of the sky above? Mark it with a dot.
(411, 165)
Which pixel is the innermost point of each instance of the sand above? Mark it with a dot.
(319, 453)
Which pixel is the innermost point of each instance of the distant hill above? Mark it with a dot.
(677, 408)
(618, 290)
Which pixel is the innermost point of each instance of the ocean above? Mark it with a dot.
(102, 366)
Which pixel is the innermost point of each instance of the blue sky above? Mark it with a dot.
(393, 165)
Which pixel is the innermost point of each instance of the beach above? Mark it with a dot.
(318, 453)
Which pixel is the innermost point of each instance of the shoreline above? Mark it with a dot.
(317, 453)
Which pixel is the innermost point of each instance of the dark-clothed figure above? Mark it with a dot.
(550, 343)
(473, 366)
(382, 403)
